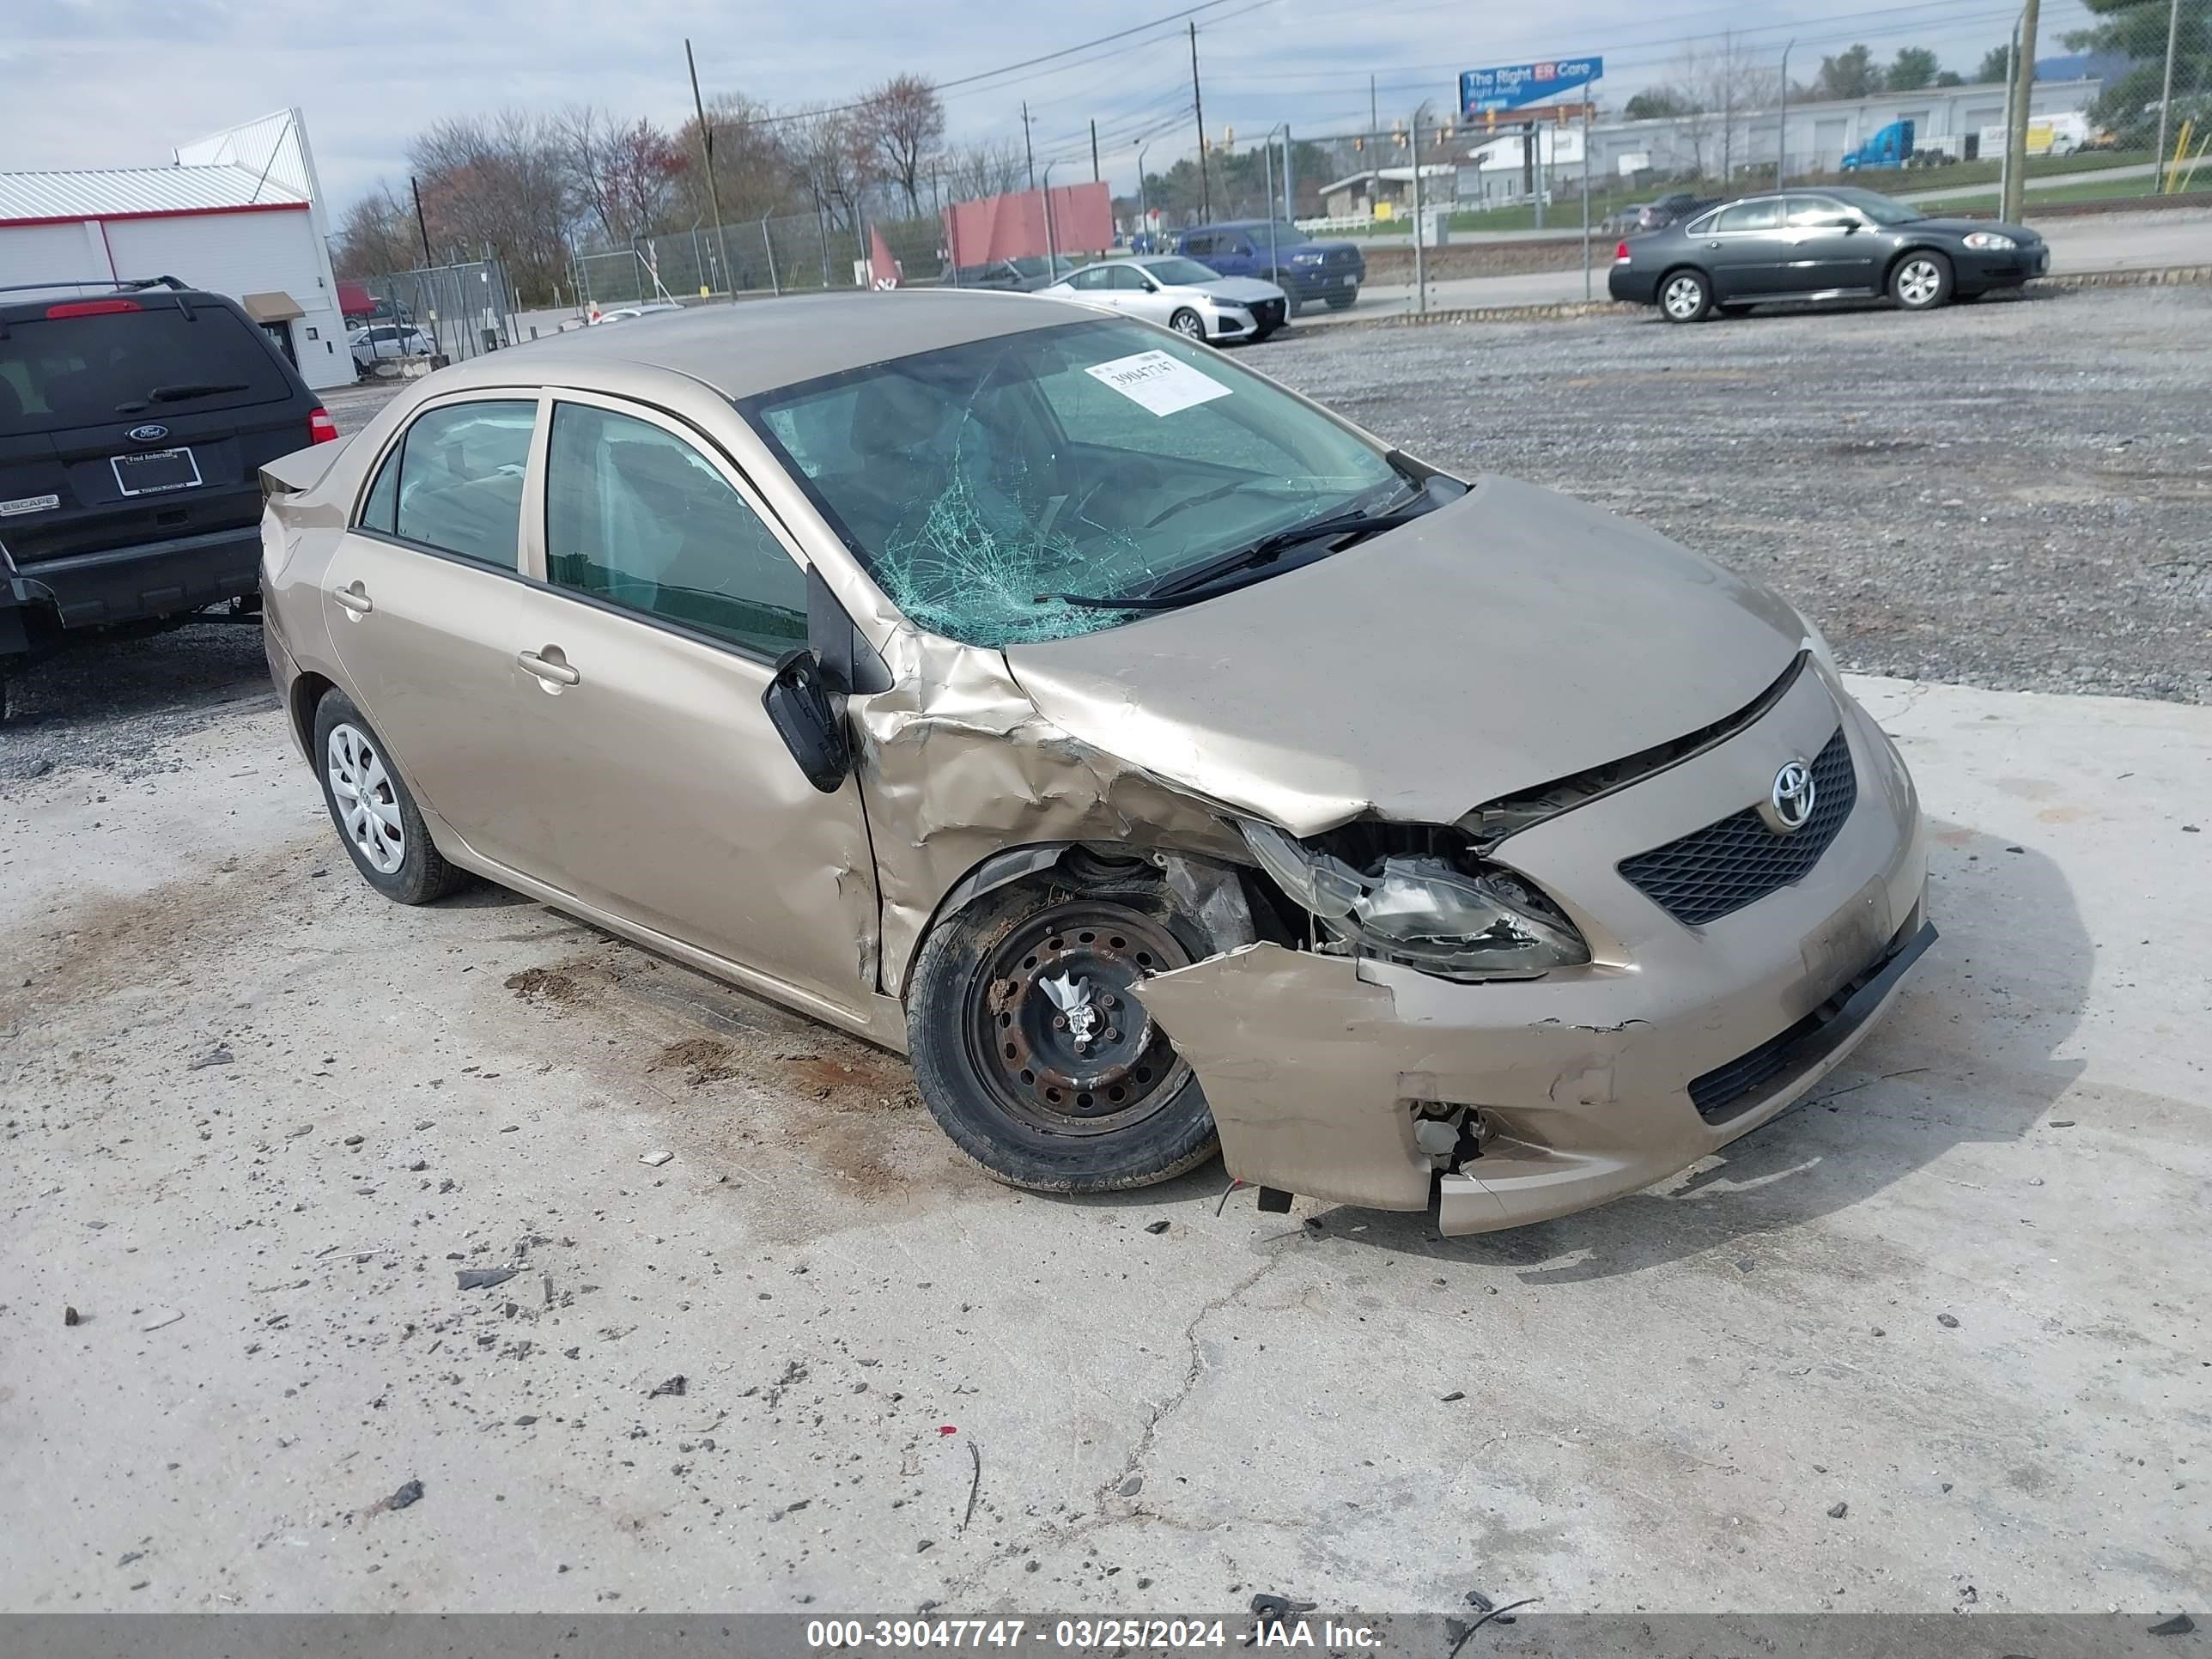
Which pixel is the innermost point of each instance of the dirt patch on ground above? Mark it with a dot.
(545, 985)
(701, 1060)
(859, 1071)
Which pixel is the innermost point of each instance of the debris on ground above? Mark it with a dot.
(482, 1278)
(674, 1386)
(655, 1160)
(975, 1482)
(1948, 1322)
(161, 1317)
(1837, 1510)
(1481, 1602)
(71, 1316)
(1269, 1606)
(2180, 1625)
(409, 1493)
(1132, 1486)
(1457, 1394)
(218, 1055)
(1155, 1227)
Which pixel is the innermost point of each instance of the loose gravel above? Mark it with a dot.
(2015, 495)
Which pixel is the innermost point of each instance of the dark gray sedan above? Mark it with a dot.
(1828, 244)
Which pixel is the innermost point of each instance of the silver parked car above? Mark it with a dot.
(1194, 300)
(389, 342)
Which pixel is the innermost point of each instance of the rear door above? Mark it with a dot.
(429, 607)
(133, 419)
(1746, 247)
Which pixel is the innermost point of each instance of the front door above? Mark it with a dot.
(1829, 247)
(1746, 246)
(662, 793)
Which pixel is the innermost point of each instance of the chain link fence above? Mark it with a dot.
(465, 310)
(796, 254)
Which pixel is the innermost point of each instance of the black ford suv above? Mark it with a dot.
(134, 423)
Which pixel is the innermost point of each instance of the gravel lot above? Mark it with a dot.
(2011, 495)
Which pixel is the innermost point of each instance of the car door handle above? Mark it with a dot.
(552, 671)
(1712, 245)
(355, 599)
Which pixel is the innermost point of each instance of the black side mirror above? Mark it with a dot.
(1843, 224)
(800, 708)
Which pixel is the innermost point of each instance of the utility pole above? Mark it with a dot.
(1094, 149)
(1290, 195)
(1028, 149)
(1782, 127)
(2023, 77)
(1728, 103)
(422, 227)
(707, 144)
(1197, 109)
(2165, 97)
(2004, 147)
(1144, 217)
(1373, 124)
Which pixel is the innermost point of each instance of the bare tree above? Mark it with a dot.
(1722, 85)
(624, 176)
(376, 235)
(991, 169)
(832, 159)
(752, 169)
(500, 184)
(903, 123)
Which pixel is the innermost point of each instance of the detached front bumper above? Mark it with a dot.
(1317, 1066)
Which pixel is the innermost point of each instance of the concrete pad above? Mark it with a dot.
(1662, 1400)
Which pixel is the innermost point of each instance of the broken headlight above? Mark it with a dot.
(1423, 911)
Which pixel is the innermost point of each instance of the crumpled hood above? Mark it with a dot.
(1509, 639)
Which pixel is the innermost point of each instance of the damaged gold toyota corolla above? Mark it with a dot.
(1151, 754)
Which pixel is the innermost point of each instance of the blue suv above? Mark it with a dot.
(1303, 268)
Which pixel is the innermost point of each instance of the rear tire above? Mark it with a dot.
(377, 820)
(998, 1057)
(1921, 281)
(1685, 296)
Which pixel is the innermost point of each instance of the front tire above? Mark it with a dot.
(1685, 296)
(1188, 323)
(1921, 281)
(1031, 1051)
(376, 817)
(1343, 301)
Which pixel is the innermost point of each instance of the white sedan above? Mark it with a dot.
(1192, 298)
(387, 341)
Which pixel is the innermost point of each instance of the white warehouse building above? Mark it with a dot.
(239, 213)
(1819, 133)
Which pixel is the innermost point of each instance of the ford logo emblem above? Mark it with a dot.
(146, 434)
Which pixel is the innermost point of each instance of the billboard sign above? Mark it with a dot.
(1517, 86)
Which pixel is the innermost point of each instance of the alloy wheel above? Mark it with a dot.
(1684, 297)
(1186, 324)
(368, 806)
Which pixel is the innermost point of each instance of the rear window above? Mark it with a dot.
(84, 371)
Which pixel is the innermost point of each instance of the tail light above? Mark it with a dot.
(321, 429)
(1620, 254)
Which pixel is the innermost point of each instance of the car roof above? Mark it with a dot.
(758, 345)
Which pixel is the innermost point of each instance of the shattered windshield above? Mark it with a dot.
(1097, 459)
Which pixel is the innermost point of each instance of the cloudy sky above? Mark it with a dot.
(120, 82)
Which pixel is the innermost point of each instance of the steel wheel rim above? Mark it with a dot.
(1919, 282)
(1684, 295)
(367, 801)
(1189, 326)
(1024, 1040)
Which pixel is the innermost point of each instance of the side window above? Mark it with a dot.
(455, 482)
(1127, 276)
(1084, 281)
(1814, 211)
(1195, 245)
(1752, 215)
(636, 516)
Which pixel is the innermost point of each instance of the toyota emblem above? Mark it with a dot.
(1790, 802)
(148, 434)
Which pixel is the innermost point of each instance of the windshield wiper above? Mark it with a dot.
(1196, 583)
(177, 394)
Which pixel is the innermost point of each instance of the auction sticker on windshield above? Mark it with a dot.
(1161, 383)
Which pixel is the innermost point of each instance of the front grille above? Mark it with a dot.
(1717, 871)
(1341, 256)
(1268, 313)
